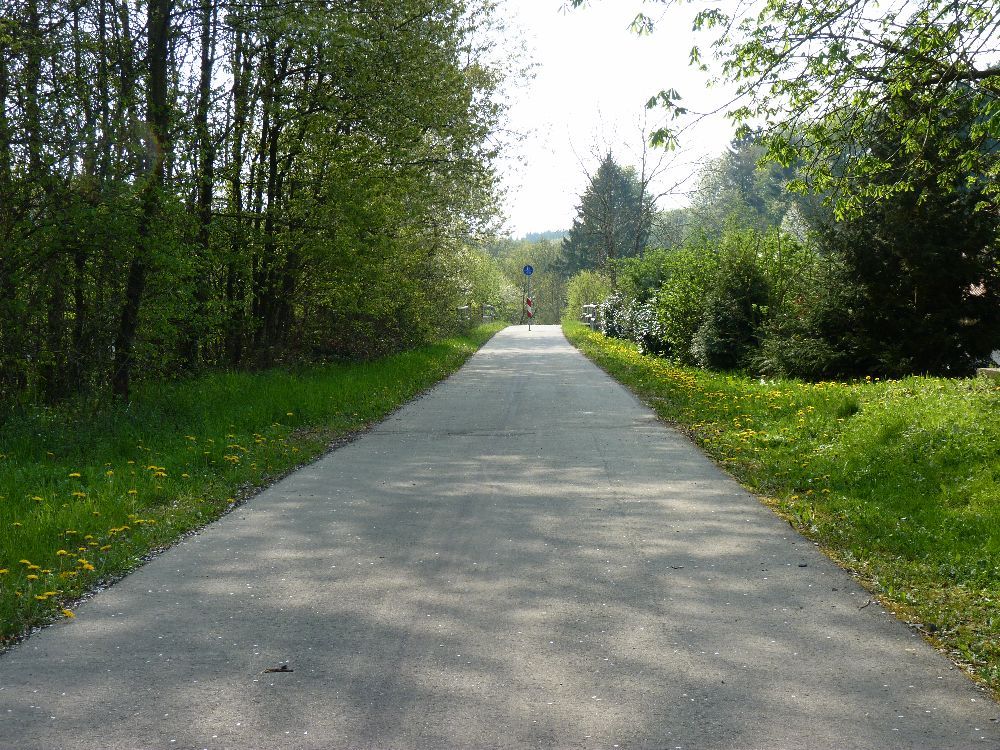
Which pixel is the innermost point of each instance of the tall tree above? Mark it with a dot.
(151, 194)
(612, 221)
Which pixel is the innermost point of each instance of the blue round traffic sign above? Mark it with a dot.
(528, 270)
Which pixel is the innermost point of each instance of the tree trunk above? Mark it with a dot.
(11, 373)
(157, 115)
(234, 301)
(104, 96)
(32, 78)
(206, 183)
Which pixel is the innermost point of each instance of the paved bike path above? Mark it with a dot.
(522, 558)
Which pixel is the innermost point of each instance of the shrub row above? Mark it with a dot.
(767, 303)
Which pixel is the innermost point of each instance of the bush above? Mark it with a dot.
(476, 279)
(626, 318)
(585, 288)
(729, 332)
(815, 333)
(680, 302)
(647, 329)
(640, 278)
(617, 312)
(926, 266)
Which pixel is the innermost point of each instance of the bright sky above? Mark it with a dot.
(592, 80)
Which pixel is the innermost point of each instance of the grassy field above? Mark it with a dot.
(899, 481)
(86, 493)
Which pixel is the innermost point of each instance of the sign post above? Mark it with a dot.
(528, 304)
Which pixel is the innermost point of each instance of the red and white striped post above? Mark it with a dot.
(529, 306)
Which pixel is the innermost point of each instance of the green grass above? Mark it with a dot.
(87, 492)
(899, 481)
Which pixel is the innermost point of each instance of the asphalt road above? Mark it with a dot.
(522, 558)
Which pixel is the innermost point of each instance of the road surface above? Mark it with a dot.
(522, 558)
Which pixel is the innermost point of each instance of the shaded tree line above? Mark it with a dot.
(192, 183)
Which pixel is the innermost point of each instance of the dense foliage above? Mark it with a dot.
(218, 182)
(755, 277)
(870, 136)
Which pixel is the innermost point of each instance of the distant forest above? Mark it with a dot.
(554, 234)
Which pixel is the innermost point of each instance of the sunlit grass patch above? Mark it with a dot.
(86, 492)
(899, 480)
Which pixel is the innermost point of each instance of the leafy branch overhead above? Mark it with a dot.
(821, 78)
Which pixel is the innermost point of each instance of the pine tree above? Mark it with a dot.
(613, 220)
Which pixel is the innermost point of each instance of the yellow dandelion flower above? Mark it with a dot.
(109, 473)
(75, 474)
(61, 552)
(88, 566)
(68, 613)
(4, 571)
(32, 577)
(186, 476)
(38, 499)
(40, 597)
(133, 492)
(25, 562)
(79, 494)
(105, 548)
(34, 567)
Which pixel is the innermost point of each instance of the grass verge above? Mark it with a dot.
(87, 493)
(898, 481)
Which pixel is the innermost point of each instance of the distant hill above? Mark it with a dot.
(556, 234)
